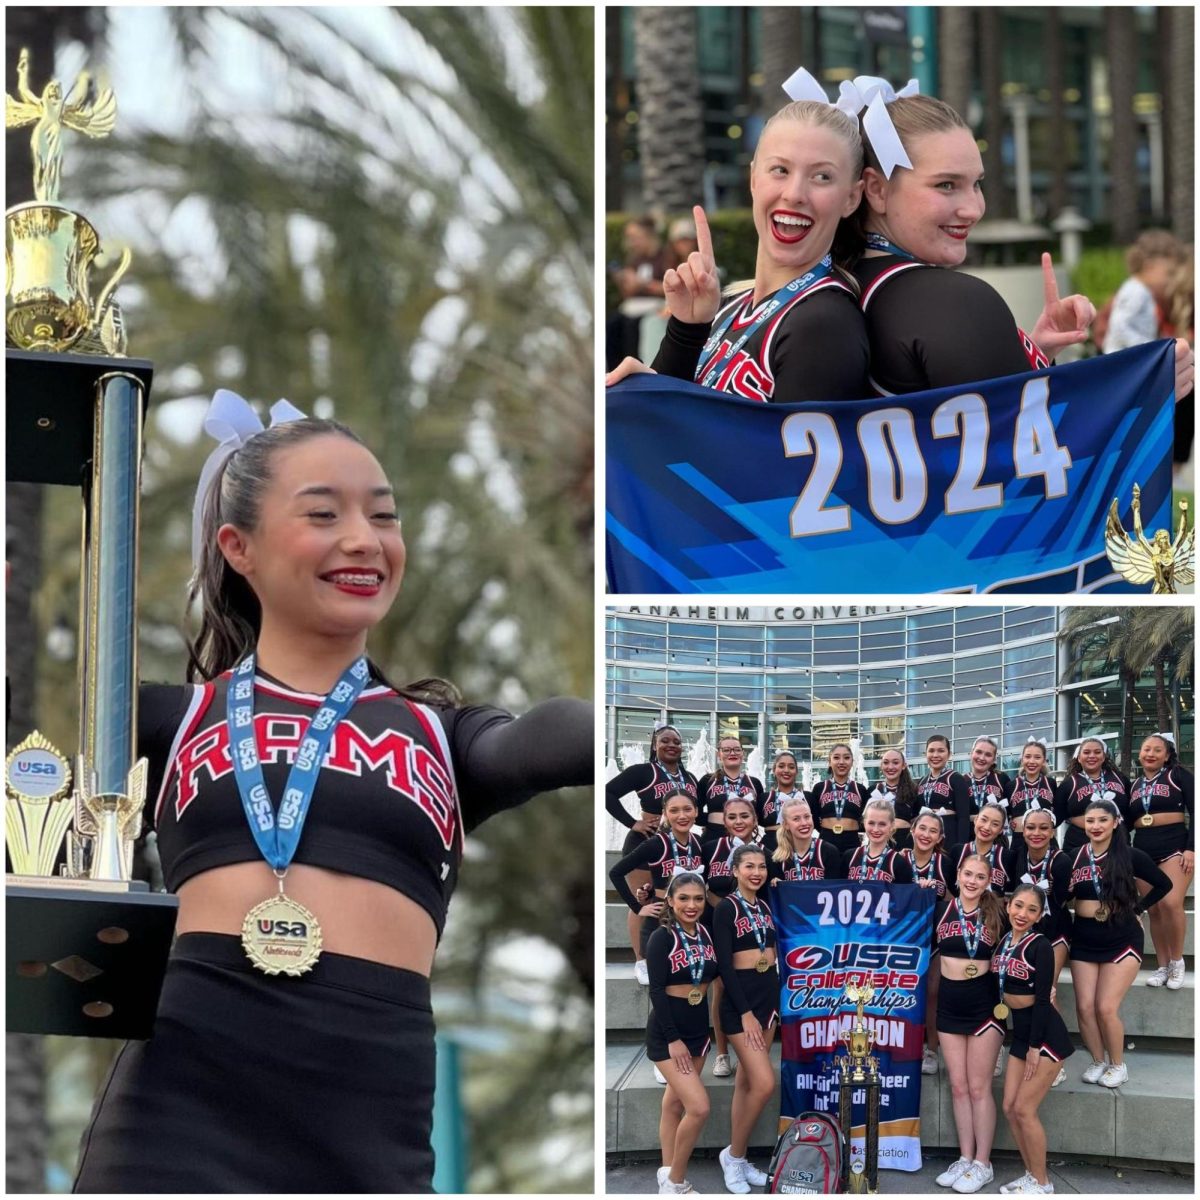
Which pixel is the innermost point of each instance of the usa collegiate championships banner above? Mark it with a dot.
(830, 934)
(989, 486)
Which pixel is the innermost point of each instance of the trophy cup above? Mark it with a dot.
(858, 1068)
(86, 948)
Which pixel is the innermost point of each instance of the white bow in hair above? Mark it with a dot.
(864, 91)
(734, 843)
(1042, 884)
(232, 422)
(1166, 737)
(1032, 741)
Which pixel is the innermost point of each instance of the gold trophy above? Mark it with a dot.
(1158, 560)
(859, 1068)
(86, 945)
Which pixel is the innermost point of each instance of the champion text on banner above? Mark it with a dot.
(833, 934)
(995, 486)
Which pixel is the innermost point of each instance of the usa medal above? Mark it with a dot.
(1102, 913)
(281, 936)
(762, 964)
(971, 970)
(1000, 1012)
(1148, 819)
(695, 996)
(838, 827)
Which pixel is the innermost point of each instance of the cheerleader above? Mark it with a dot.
(744, 935)
(875, 860)
(838, 802)
(800, 853)
(988, 844)
(651, 781)
(1106, 942)
(1092, 775)
(740, 830)
(730, 779)
(785, 771)
(985, 784)
(682, 963)
(673, 849)
(966, 935)
(1160, 802)
(1024, 970)
(1030, 789)
(897, 788)
(945, 791)
(930, 869)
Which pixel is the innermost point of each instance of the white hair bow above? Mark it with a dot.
(1042, 884)
(864, 91)
(232, 422)
(734, 843)
(1166, 737)
(987, 737)
(1032, 741)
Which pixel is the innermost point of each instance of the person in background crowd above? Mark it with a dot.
(639, 282)
(1181, 312)
(1139, 308)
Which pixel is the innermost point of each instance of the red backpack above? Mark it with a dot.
(808, 1157)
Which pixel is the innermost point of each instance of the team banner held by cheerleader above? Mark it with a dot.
(986, 487)
(833, 934)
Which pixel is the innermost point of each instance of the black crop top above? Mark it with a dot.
(935, 869)
(822, 861)
(718, 875)
(400, 786)
(1025, 797)
(1171, 790)
(716, 787)
(1028, 967)
(768, 814)
(993, 787)
(663, 857)
(890, 867)
(948, 939)
(1083, 877)
(1000, 859)
(947, 794)
(1077, 791)
(652, 782)
(824, 798)
(1052, 876)
(667, 957)
(734, 923)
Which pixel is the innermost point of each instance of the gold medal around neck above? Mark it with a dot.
(762, 964)
(1000, 1012)
(281, 937)
(695, 996)
(1148, 819)
(838, 827)
(970, 970)
(1102, 913)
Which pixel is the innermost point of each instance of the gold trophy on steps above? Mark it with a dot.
(858, 1069)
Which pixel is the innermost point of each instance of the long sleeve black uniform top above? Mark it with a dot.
(1000, 858)
(1028, 966)
(663, 857)
(716, 787)
(823, 860)
(1025, 797)
(667, 965)
(1085, 886)
(651, 782)
(734, 924)
(890, 867)
(947, 794)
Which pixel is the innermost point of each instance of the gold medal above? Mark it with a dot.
(762, 964)
(1148, 819)
(971, 970)
(281, 936)
(838, 827)
(1000, 1012)
(1102, 913)
(695, 996)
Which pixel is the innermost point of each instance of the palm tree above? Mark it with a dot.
(1112, 633)
(956, 52)
(670, 111)
(783, 50)
(991, 70)
(1120, 32)
(1180, 105)
(1056, 198)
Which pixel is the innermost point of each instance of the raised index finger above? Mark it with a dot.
(703, 237)
(1049, 282)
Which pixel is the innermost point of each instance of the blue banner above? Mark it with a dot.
(833, 934)
(996, 486)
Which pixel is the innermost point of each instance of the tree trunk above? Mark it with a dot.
(1162, 694)
(670, 113)
(1125, 758)
(615, 128)
(1179, 102)
(991, 33)
(955, 56)
(1121, 45)
(782, 52)
(1057, 196)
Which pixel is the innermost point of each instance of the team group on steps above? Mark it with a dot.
(1017, 898)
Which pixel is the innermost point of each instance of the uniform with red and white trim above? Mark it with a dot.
(813, 348)
(931, 327)
(1120, 936)
(1171, 790)
(1028, 967)
(965, 1006)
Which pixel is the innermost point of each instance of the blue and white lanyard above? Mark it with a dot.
(758, 923)
(707, 376)
(1144, 794)
(799, 863)
(979, 792)
(971, 938)
(876, 241)
(1030, 793)
(1095, 866)
(695, 962)
(840, 796)
(278, 837)
(872, 871)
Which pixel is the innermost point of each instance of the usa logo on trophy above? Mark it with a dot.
(86, 944)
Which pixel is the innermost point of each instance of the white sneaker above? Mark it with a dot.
(1016, 1185)
(977, 1175)
(1062, 1074)
(732, 1169)
(663, 1173)
(1175, 975)
(667, 1188)
(929, 1062)
(1093, 1073)
(1034, 1188)
(949, 1176)
(1157, 977)
(752, 1175)
(1116, 1075)
(1000, 1060)
(721, 1066)
(659, 1077)
(641, 972)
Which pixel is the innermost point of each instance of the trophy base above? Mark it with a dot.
(50, 431)
(85, 958)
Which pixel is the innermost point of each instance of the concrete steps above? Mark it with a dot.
(1148, 1118)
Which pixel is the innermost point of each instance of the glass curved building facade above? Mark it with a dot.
(805, 677)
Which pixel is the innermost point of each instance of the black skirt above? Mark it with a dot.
(761, 989)
(691, 1023)
(965, 1006)
(1055, 1043)
(258, 1083)
(1106, 941)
